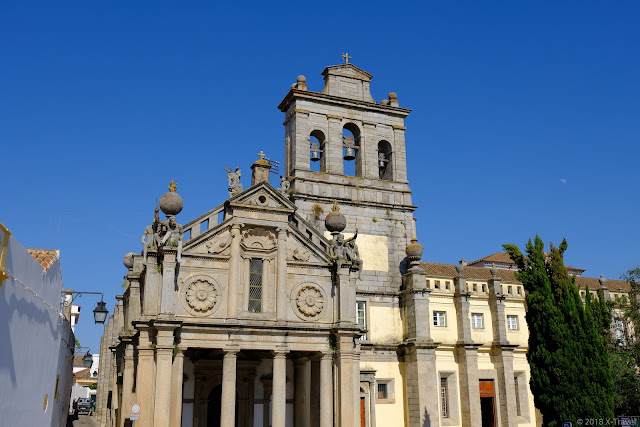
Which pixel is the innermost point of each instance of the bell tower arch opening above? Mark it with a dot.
(318, 161)
(351, 152)
(385, 163)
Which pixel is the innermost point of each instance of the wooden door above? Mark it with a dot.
(363, 420)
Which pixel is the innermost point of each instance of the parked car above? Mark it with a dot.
(84, 405)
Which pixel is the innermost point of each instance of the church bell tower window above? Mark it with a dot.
(255, 285)
(385, 166)
(351, 153)
(316, 152)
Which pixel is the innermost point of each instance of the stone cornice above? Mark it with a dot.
(349, 103)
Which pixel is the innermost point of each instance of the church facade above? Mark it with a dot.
(309, 305)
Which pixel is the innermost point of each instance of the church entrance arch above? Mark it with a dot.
(214, 408)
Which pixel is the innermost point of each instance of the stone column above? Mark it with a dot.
(326, 390)
(302, 392)
(176, 389)
(127, 381)
(281, 290)
(346, 411)
(234, 273)
(164, 354)
(279, 396)
(145, 377)
(228, 401)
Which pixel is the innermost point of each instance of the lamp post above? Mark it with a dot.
(99, 313)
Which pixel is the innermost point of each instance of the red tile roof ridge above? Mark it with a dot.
(46, 257)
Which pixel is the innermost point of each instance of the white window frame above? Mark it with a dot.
(510, 324)
(440, 318)
(361, 317)
(474, 320)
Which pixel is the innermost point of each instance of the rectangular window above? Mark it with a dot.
(255, 285)
(439, 318)
(512, 322)
(477, 320)
(361, 316)
(383, 392)
(444, 396)
(437, 284)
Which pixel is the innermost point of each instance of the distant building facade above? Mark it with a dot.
(309, 305)
(36, 354)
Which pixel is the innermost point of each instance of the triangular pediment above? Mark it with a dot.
(263, 195)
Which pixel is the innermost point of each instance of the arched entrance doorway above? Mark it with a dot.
(214, 408)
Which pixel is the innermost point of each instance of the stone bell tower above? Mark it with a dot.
(340, 144)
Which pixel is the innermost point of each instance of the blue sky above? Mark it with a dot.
(526, 118)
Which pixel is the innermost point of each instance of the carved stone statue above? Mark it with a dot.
(342, 251)
(235, 187)
(151, 236)
(173, 236)
(284, 185)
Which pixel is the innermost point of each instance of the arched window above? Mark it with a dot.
(316, 152)
(385, 164)
(351, 150)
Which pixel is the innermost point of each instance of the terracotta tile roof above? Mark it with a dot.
(46, 257)
(509, 276)
(83, 375)
(504, 258)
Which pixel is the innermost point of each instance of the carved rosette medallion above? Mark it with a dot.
(201, 295)
(310, 301)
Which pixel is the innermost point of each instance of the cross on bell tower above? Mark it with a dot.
(346, 58)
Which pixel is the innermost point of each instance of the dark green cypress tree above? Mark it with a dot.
(570, 375)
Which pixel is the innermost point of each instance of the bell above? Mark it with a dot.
(349, 154)
(381, 163)
(315, 156)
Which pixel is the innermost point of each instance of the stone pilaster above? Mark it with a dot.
(168, 293)
(234, 273)
(281, 289)
(145, 376)
(345, 362)
(279, 400)
(302, 409)
(151, 286)
(134, 299)
(333, 146)
(503, 355)
(467, 354)
(228, 400)
(128, 397)
(422, 386)
(176, 388)
(399, 157)
(164, 355)
(346, 296)
(326, 390)
(368, 140)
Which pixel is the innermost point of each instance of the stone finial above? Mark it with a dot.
(301, 83)
(602, 280)
(494, 271)
(414, 252)
(462, 262)
(393, 99)
(460, 269)
(335, 222)
(384, 102)
(171, 202)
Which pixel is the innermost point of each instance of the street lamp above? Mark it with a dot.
(99, 313)
(87, 360)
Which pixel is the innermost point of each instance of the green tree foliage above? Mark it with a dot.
(568, 357)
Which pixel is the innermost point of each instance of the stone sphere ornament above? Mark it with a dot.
(128, 260)
(171, 202)
(302, 79)
(414, 250)
(335, 222)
